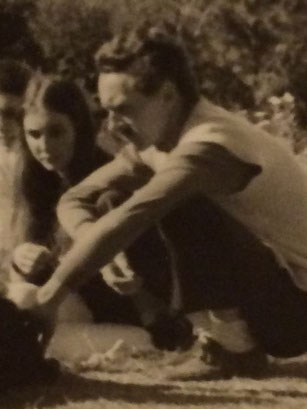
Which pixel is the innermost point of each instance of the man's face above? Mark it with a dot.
(118, 94)
(10, 118)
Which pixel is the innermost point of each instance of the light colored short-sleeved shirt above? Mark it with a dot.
(272, 204)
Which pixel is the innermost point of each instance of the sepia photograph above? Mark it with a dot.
(153, 204)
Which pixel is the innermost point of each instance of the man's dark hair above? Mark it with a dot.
(14, 77)
(152, 55)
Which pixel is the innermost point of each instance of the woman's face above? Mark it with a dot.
(50, 137)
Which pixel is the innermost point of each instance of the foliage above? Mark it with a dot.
(69, 33)
(16, 38)
(248, 53)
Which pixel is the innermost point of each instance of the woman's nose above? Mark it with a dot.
(42, 143)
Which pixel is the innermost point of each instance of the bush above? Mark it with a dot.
(69, 33)
(245, 51)
(16, 38)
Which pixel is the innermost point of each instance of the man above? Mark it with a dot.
(196, 149)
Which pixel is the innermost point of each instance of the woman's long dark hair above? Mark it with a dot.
(39, 188)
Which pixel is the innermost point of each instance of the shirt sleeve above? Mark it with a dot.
(188, 170)
(78, 208)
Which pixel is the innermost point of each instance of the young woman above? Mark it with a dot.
(58, 150)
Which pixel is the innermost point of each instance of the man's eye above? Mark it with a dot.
(122, 109)
(10, 113)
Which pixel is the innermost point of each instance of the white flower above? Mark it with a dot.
(274, 100)
(287, 97)
(260, 114)
(236, 69)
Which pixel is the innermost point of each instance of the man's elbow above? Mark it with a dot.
(72, 217)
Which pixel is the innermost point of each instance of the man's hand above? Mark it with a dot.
(30, 258)
(120, 277)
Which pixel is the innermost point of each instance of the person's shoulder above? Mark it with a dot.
(205, 132)
(206, 122)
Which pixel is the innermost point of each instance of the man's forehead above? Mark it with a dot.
(115, 88)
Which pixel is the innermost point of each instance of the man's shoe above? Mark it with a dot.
(216, 363)
(251, 364)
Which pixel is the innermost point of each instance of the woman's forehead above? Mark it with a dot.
(36, 117)
(115, 88)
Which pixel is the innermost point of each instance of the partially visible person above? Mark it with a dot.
(14, 77)
(195, 148)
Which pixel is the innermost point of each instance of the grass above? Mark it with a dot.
(137, 381)
(286, 390)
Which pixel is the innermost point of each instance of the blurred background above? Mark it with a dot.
(250, 55)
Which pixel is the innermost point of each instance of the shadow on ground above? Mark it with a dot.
(72, 388)
(290, 369)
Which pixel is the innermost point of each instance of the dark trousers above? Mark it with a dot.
(148, 257)
(222, 265)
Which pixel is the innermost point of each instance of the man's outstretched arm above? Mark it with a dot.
(79, 207)
(198, 167)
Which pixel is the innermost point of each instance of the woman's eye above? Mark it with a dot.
(122, 109)
(34, 133)
(11, 114)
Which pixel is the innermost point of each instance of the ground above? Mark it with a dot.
(288, 390)
(134, 377)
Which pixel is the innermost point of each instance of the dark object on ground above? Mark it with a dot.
(22, 349)
(216, 363)
(171, 332)
(251, 364)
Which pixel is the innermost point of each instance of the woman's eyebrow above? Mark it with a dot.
(34, 131)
